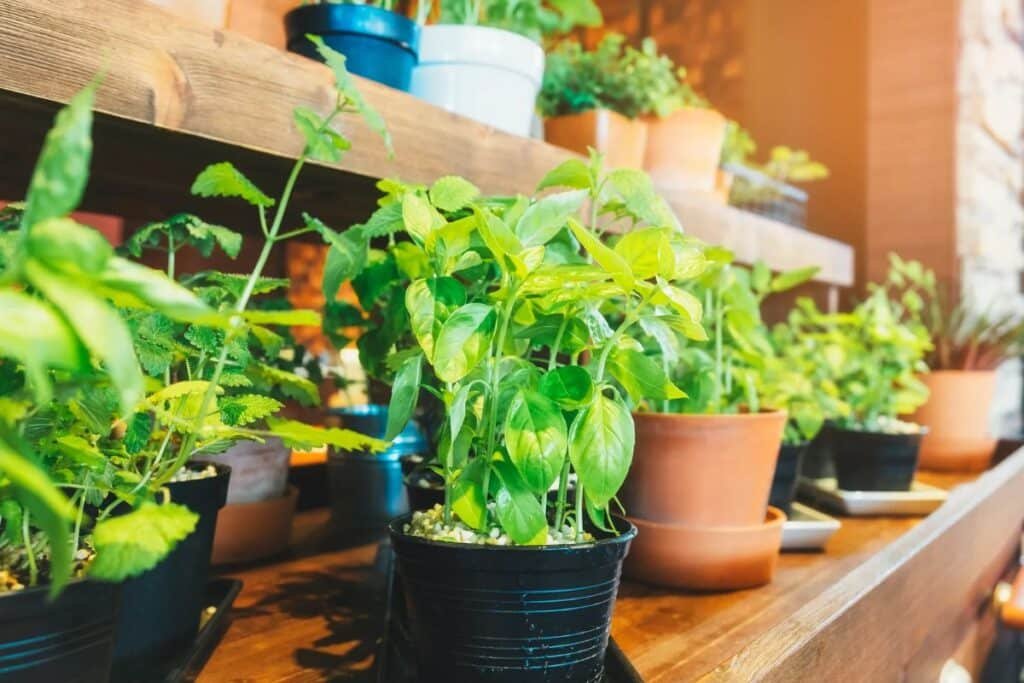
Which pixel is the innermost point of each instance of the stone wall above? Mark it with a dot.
(990, 173)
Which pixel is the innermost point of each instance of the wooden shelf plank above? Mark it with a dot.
(210, 94)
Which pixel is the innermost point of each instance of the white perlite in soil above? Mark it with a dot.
(187, 474)
(430, 525)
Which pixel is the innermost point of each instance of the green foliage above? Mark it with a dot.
(130, 544)
(793, 166)
(527, 345)
(614, 76)
(535, 19)
(738, 146)
(965, 333)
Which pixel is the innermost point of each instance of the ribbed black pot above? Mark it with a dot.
(69, 640)
(160, 609)
(377, 44)
(817, 462)
(787, 471)
(423, 491)
(874, 461)
(509, 614)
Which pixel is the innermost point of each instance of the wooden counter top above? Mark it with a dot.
(890, 599)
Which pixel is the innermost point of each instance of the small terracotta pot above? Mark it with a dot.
(705, 558)
(957, 414)
(253, 531)
(703, 470)
(259, 470)
(622, 140)
(684, 149)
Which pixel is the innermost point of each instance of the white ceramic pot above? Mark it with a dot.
(487, 74)
(259, 471)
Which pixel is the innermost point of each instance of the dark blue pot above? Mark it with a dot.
(380, 45)
(787, 469)
(874, 461)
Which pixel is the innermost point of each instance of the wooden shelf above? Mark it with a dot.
(178, 95)
(889, 597)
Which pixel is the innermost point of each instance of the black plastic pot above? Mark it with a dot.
(874, 461)
(498, 613)
(160, 609)
(378, 44)
(70, 640)
(787, 470)
(817, 462)
(366, 489)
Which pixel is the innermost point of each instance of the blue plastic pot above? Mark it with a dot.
(380, 45)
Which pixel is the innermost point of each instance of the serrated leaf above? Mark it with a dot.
(452, 193)
(178, 390)
(387, 220)
(346, 258)
(224, 180)
(303, 436)
(135, 542)
(137, 435)
(322, 142)
(238, 411)
(81, 451)
(291, 385)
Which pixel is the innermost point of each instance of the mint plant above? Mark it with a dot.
(535, 19)
(533, 343)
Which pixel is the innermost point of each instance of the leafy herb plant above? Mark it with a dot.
(528, 320)
(535, 19)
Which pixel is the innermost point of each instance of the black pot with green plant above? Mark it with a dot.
(519, 328)
(873, 360)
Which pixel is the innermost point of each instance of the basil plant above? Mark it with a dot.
(528, 320)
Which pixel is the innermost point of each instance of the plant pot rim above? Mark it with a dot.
(769, 415)
(45, 587)
(597, 110)
(395, 530)
(957, 371)
(484, 46)
(291, 492)
(922, 430)
(353, 19)
(407, 480)
(774, 517)
(222, 471)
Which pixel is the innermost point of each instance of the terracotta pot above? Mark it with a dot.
(704, 558)
(622, 140)
(684, 149)
(957, 415)
(253, 531)
(259, 470)
(703, 470)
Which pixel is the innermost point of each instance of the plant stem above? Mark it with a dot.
(558, 343)
(563, 489)
(26, 536)
(78, 520)
(579, 510)
(492, 417)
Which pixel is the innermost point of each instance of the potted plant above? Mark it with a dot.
(685, 135)
(378, 42)
(76, 500)
(598, 98)
(968, 345)
(874, 360)
(704, 462)
(483, 59)
(526, 366)
(737, 147)
(768, 189)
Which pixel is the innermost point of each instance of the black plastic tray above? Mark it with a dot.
(185, 666)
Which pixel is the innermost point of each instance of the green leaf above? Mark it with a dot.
(239, 411)
(129, 283)
(224, 180)
(50, 510)
(346, 258)
(793, 278)
(12, 515)
(519, 512)
(177, 390)
(430, 303)
(463, 341)
(572, 173)
(601, 443)
(452, 193)
(467, 494)
(99, 327)
(302, 436)
(62, 169)
(81, 451)
(288, 318)
(547, 217)
(291, 385)
(138, 433)
(641, 376)
(347, 87)
(570, 386)
(404, 396)
(322, 142)
(682, 301)
(64, 245)
(761, 277)
(637, 193)
(135, 542)
(648, 252)
(32, 333)
(418, 216)
(614, 264)
(536, 439)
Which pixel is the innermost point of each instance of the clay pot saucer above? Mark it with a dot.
(253, 531)
(705, 558)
